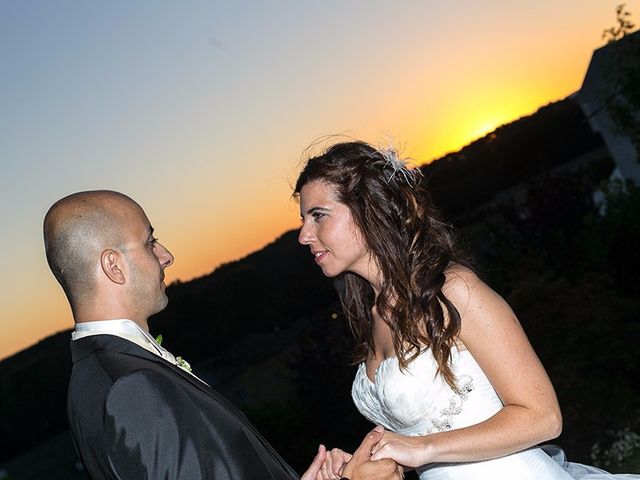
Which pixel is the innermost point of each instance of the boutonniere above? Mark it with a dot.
(183, 364)
(180, 362)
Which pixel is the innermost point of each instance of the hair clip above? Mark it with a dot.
(400, 167)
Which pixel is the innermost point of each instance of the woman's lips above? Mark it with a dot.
(320, 255)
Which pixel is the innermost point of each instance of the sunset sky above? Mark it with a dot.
(200, 110)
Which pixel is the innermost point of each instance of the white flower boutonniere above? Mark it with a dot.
(183, 364)
(180, 362)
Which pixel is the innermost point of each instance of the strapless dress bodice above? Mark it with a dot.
(418, 401)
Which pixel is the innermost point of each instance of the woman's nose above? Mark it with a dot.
(305, 237)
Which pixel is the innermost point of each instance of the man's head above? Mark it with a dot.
(100, 247)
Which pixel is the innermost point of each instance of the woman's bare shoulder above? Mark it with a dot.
(460, 284)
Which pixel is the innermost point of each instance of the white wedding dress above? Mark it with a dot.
(417, 402)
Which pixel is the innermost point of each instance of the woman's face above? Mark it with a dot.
(329, 230)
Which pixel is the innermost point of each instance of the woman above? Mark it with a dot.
(444, 363)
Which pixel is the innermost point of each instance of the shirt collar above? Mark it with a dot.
(123, 328)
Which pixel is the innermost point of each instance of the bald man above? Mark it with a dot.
(135, 412)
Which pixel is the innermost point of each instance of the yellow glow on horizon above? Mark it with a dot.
(470, 118)
(484, 129)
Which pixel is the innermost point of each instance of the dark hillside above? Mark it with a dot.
(512, 154)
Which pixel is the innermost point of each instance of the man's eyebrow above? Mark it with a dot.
(150, 230)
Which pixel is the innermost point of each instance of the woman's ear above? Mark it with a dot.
(110, 261)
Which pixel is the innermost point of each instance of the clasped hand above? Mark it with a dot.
(405, 451)
(336, 463)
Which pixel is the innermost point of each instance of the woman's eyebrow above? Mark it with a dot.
(315, 209)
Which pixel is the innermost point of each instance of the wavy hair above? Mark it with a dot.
(412, 247)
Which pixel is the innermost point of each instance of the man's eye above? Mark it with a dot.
(318, 216)
(153, 242)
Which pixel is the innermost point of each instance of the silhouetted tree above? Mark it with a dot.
(623, 26)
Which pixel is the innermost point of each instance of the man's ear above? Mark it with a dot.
(110, 261)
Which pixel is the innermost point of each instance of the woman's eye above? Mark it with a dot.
(318, 216)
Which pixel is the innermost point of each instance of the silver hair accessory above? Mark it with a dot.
(400, 167)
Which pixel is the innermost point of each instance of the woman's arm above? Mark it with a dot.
(493, 335)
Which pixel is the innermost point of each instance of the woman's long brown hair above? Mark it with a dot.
(412, 247)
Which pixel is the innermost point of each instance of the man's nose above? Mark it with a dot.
(164, 256)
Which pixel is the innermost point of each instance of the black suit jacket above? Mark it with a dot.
(135, 416)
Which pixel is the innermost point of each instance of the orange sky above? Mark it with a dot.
(201, 115)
